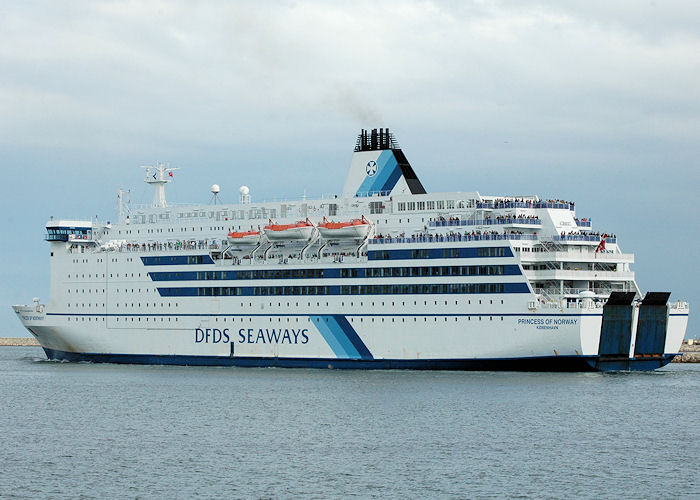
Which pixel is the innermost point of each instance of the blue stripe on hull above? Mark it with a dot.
(539, 364)
(341, 337)
(352, 336)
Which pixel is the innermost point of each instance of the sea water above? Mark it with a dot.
(82, 430)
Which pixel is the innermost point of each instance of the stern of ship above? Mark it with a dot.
(639, 335)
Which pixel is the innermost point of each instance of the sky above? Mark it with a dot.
(596, 102)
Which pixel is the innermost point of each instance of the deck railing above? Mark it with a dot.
(525, 204)
(485, 222)
(454, 238)
(593, 238)
(555, 292)
(123, 247)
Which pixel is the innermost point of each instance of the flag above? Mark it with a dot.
(170, 174)
(601, 245)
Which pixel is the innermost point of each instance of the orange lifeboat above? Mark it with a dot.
(353, 229)
(299, 231)
(244, 237)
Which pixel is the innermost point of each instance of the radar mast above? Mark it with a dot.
(158, 177)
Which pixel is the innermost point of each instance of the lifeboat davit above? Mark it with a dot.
(354, 229)
(299, 231)
(244, 237)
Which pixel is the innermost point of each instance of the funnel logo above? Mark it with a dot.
(371, 168)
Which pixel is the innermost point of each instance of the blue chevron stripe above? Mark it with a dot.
(324, 325)
(353, 337)
(341, 337)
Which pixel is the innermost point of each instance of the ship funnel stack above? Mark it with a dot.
(376, 140)
(379, 167)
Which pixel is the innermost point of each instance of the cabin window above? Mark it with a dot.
(376, 207)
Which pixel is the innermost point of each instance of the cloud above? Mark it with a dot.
(180, 71)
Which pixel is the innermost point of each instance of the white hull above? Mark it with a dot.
(410, 336)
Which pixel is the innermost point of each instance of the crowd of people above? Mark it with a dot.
(452, 236)
(522, 203)
(511, 218)
(587, 233)
(487, 220)
(173, 245)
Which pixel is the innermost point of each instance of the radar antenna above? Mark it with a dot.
(215, 190)
(245, 194)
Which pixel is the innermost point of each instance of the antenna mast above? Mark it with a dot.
(124, 204)
(158, 177)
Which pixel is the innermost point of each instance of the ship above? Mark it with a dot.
(384, 275)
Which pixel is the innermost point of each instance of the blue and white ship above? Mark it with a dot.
(384, 275)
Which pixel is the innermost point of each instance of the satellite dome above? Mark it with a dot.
(215, 188)
(244, 190)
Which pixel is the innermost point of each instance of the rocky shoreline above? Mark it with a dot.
(690, 353)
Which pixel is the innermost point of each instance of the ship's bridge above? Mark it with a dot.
(62, 230)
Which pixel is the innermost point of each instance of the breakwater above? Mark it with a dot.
(18, 341)
(689, 353)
